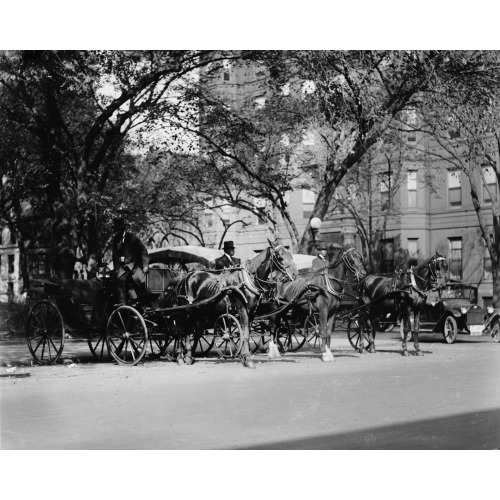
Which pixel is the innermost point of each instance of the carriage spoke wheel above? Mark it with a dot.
(296, 339)
(45, 332)
(227, 336)
(311, 332)
(98, 346)
(202, 341)
(259, 337)
(354, 334)
(127, 335)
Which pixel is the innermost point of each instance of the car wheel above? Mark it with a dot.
(450, 329)
(495, 331)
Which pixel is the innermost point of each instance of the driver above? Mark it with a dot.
(130, 256)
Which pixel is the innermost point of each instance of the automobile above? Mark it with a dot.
(492, 323)
(454, 310)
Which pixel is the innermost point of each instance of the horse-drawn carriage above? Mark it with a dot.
(86, 309)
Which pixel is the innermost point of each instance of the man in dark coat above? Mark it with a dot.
(228, 259)
(130, 256)
(320, 261)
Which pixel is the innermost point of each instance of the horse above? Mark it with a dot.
(322, 290)
(243, 299)
(404, 293)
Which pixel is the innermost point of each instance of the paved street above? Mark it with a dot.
(447, 399)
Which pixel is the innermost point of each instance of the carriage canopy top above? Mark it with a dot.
(303, 261)
(184, 253)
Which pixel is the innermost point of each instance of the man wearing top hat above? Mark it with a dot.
(320, 261)
(130, 256)
(228, 259)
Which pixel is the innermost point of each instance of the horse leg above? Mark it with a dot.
(179, 351)
(370, 328)
(188, 354)
(415, 334)
(273, 352)
(245, 326)
(406, 329)
(325, 325)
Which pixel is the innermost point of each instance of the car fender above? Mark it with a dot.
(495, 316)
(452, 312)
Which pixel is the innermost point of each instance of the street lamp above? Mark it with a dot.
(315, 225)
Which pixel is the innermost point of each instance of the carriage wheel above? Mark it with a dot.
(450, 329)
(311, 332)
(227, 336)
(202, 342)
(259, 337)
(296, 340)
(45, 332)
(127, 335)
(354, 334)
(99, 346)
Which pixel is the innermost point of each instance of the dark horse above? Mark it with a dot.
(321, 291)
(243, 297)
(404, 292)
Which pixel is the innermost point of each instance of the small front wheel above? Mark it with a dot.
(127, 335)
(227, 336)
(354, 334)
(45, 332)
(450, 329)
(311, 332)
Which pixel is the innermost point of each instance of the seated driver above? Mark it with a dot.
(130, 257)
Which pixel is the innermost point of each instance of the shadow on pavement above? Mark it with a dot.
(466, 431)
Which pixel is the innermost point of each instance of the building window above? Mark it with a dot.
(412, 189)
(13, 239)
(11, 264)
(490, 183)
(454, 188)
(455, 258)
(209, 220)
(1, 236)
(487, 275)
(385, 190)
(308, 201)
(10, 287)
(387, 254)
(260, 102)
(413, 249)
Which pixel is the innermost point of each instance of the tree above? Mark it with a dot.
(83, 109)
(463, 120)
(359, 94)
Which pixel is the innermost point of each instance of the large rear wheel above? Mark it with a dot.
(127, 335)
(98, 346)
(45, 332)
(227, 336)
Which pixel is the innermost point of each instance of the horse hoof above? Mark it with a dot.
(362, 351)
(327, 357)
(180, 361)
(189, 360)
(372, 350)
(248, 363)
(419, 353)
(405, 353)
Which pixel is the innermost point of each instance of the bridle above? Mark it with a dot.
(435, 273)
(278, 265)
(358, 273)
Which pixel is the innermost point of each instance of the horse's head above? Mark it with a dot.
(354, 262)
(438, 267)
(433, 272)
(282, 261)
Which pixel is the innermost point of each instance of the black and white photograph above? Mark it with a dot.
(290, 248)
